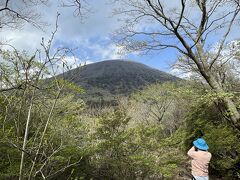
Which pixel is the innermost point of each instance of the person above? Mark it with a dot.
(200, 159)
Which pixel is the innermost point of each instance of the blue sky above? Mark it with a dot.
(91, 38)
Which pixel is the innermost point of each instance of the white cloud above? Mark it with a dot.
(63, 64)
(73, 62)
(71, 30)
(28, 39)
(109, 52)
(180, 73)
(87, 36)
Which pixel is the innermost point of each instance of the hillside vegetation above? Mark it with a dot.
(146, 136)
(118, 119)
(108, 80)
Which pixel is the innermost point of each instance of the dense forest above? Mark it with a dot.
(47, 131)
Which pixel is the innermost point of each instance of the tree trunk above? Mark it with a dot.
(232, 112)
(230, 107)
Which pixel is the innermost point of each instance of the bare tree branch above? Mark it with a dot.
(224, 38)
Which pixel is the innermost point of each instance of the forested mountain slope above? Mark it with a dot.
(105, 80)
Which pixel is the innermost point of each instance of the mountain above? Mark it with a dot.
(105, 80)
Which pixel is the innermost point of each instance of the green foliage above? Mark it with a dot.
(132, 152)
(60, 143)
(111, 145)
(223, 140)
(122, 143)
(69, 85)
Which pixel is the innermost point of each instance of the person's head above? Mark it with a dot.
(201, 144)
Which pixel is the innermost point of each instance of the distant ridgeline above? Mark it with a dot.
(105, 81)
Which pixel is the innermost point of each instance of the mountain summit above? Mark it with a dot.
(106, 79)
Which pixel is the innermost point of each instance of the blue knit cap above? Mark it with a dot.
(201, 144)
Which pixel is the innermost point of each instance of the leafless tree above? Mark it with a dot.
(188, 27)
(14, 14)
(81, 7)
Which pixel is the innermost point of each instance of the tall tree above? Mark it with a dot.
(189, 27)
